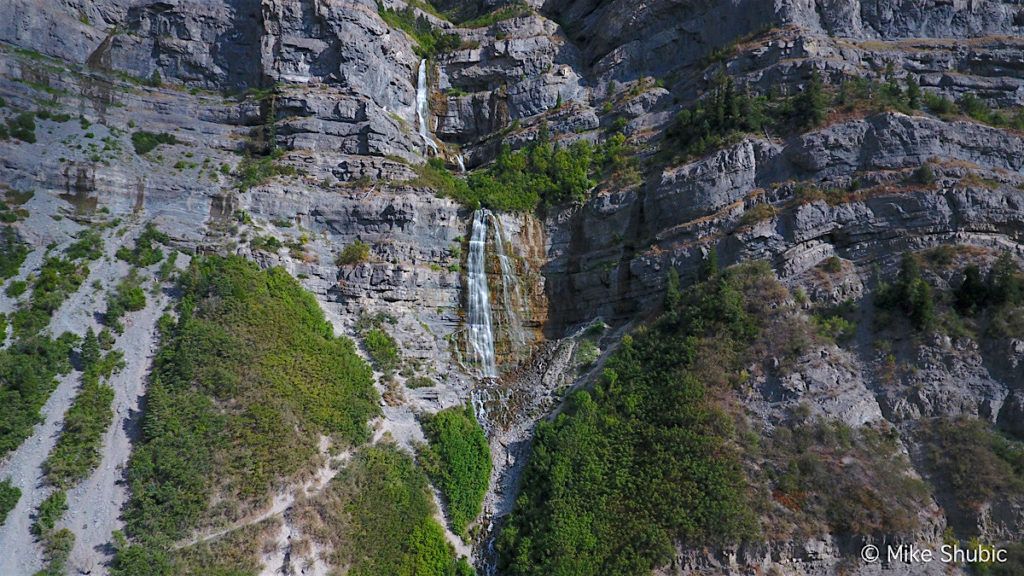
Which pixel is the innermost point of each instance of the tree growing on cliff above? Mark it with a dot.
(811, 105)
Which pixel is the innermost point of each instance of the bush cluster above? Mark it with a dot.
(458, 460)
(144, 142)
(146, 251)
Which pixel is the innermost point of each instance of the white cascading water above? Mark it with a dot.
(461, 162)
(511, 293)
(423, 107)
(478, 313)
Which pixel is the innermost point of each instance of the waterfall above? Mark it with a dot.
(478, 313)
(423, 107)
(511, 299)
(461, 162)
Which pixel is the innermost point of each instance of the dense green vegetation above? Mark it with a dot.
(544, 173)
(910, 295)
(128, 296)
(976, 108)
(144, 142)
(57, 544)
(999, 296)
(989, 304)
(378, 516)
(49, 512)
(255, 170)
(28, 368)
(458, 460)
(77, 452)
(355, 253)
(245, 382)
(12, 252)
(727, 112)
(644, 460)
(383, 349)
(506, 12)
(146, 251)
(58, 278)
(88, 245)
(22, 127)
(430, 41)
(9, 496)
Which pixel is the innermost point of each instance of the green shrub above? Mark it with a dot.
(144, 142)
(253, 171)
(145, 253)
(357, 252)
(12, 252)
(939, 105)
(383, 349)
(88, 246)
(266, 244)
(910, 294)
(49, 512)
(127, 297)
(415, 382)
(507, 12)
(458, 460)
(23, 127)
(587, 353)
(925, 175)
(829, 476)
(833, 265)
(758, 213)
(975, 461)
(9, 496)
(58, 278)
(28, 370)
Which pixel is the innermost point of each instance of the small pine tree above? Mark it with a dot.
(673, 294)
(1005, 283)
(710, 267)
(155, 80)
(90, 349)
(913, 94)
(972, 293)
(811, 106)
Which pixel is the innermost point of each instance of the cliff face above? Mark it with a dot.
(325, 93)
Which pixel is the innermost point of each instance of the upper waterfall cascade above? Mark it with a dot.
(423, 107)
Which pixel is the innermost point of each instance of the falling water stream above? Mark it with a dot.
(481, 320)
(423, 107)
(478, 312)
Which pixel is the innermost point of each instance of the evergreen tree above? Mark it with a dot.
(913, 94)
(710, 267)
(1006, 286)
(972, 293)
(90, 349)
(811, 106)
(673, 294)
